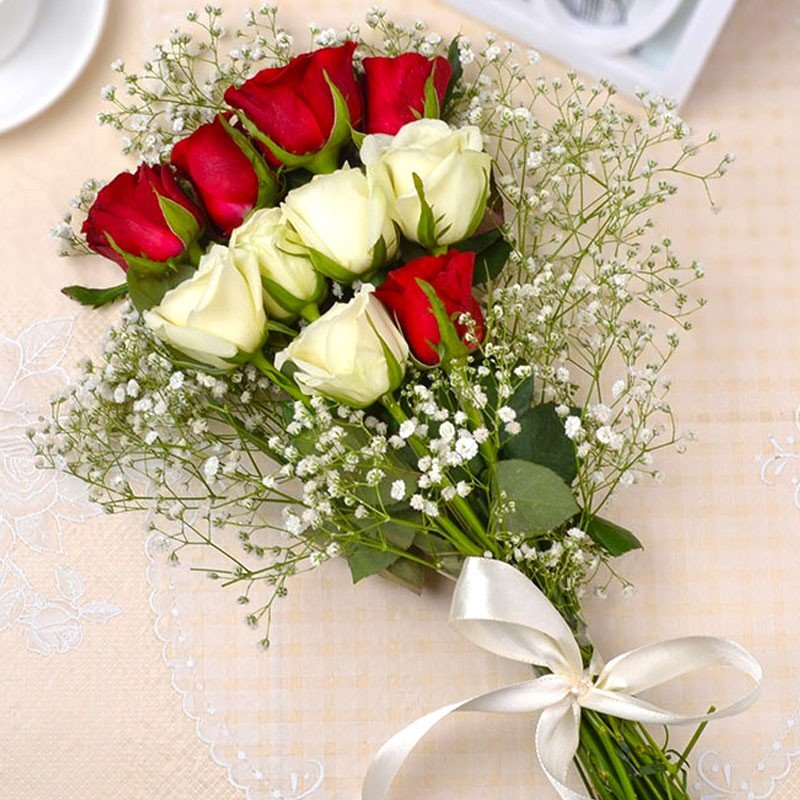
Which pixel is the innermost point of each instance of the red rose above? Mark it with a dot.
(143, 214)
(227, 172)
(293, 107)
(395, 89)
(450, 276)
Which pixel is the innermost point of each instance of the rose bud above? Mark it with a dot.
(435, 178)
(353, 353)
(142, 218)
(216, 316)
(343, 222)
(291, 284)
(450, 278)
(402, 89)
(301, 113)
(228, 172)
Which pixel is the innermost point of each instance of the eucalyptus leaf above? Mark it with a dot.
(95, 297)
(614, 538)
(148, 289)
(541, 498)
(542, 440)
(407, 573)
(366, 561)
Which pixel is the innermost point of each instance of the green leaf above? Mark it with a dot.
(95, 297)
(407, 573)
(148, 289)
(489, 263)
(284, 298)
(457, 71)
(366, 561)
(451, 560)
(542, 500)
(543, 441)
(614, 538)
(181, 222)
(426, 227)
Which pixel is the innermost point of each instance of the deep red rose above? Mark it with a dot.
(293, 105)
(450, 276)
(395, 89)
(128, 211)
(222, 173)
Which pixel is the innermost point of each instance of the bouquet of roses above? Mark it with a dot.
(399, 304)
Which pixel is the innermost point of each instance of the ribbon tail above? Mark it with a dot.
(557, 737)
(524, 697)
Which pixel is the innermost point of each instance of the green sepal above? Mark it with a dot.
(95, 297)
(426, 227)
(357, 137)
(380, 255)
(282, 297)
(612, 537)
(326, 266)
(430, 109)
(140, 263)
(268, 184)
(147, 289)
(451, 347)
(324, 160)
(480, 209)
(180, 221)
(542, 501)
(279, 327)
(395, 370)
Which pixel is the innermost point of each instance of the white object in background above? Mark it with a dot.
(16, 20)
(52, 55)
(661, 47)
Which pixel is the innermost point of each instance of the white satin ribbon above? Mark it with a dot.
(497, 608)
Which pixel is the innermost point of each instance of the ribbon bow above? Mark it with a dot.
(497, 608)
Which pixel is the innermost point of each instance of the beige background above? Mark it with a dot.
(351, 666)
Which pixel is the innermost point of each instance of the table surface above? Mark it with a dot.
(89, 707)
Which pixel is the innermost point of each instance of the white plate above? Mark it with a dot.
(645, 19)
(50, 59)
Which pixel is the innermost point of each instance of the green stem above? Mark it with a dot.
(194, 252)
(605, 737)
(310, 312)
(267, 368)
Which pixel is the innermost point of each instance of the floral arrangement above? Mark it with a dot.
(395, 301)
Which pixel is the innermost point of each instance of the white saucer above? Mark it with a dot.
(50, 59)
(645, 19)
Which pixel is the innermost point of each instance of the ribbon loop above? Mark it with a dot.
(497, 608)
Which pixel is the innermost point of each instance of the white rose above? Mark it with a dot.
(353, 353)
(291, 285)
(453, 173)
(344, 223)
(217, 316)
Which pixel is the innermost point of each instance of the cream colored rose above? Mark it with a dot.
(344, 223)
(290, 282)
(353, 353)
(452, 173)
(217, 316)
